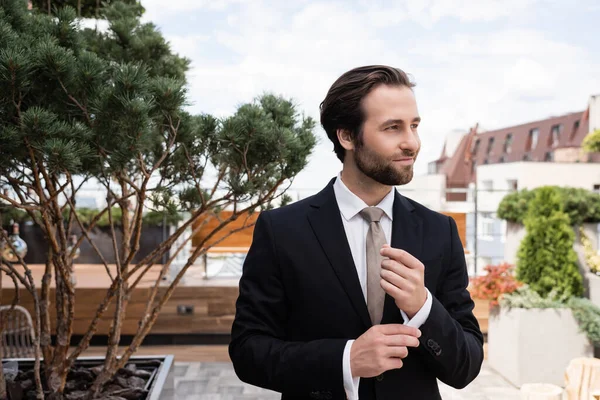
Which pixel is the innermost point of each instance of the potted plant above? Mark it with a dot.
(85, 106)
(545, 324)
(496, 281)
(582, 207)
(589, 259)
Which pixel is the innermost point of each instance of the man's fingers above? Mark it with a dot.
(397, 351)
(394, 290)
(401, 280)
(393, 363)
(401, 341)
(402, 257)
(398, 329)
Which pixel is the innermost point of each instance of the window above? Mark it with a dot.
(487, 226)
(532, 139)
(549, 156)
(513, 185)
(432, 168)
(490, 145)
(527, 157)
(508, 143)
(575, 129)
(596, 188)
(475, 147)
(555, 134)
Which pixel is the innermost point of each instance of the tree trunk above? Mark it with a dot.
(79, 8)
(3, 395)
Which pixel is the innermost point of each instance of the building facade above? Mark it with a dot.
(478, 168)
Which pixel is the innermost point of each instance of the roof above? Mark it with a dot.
(491, 147)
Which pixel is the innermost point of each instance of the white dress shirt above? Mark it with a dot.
(356, 228)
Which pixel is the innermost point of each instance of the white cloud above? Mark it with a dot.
(92, 23)
(429, 12)
(156, 10)
(497, 78)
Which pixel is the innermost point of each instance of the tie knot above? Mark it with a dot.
(372, 214)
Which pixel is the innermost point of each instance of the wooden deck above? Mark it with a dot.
(212, 303)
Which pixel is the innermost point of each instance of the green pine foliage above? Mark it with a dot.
(89, 103)
(85, 8)
(546, 259)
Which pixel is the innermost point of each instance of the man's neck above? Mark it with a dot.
(367, 189)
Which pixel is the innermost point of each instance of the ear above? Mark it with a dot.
(345, 139)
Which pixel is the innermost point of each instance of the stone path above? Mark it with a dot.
(217, 381)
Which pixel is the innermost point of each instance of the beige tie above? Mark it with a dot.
(375, 240)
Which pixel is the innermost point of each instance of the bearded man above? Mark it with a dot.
(358, 291)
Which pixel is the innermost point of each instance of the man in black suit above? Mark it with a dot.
(358, 292)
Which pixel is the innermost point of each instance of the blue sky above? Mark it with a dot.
(495, 63)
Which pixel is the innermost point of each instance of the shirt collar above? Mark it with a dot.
(350, 204)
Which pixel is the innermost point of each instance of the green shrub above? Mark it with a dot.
(10, 214)
(150, 218)
(580, 205)
(591, 143)
(546, 259)
(588, 318)
(524, 297)
(513, 207)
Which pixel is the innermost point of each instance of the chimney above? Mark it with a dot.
(594, 112)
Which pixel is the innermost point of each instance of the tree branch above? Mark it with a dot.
(82, 108)
(85, 233)
(149, 319)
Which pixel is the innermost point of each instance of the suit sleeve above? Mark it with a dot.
(451, 340)
(260, 353)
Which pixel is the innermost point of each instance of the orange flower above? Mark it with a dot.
(499, 280)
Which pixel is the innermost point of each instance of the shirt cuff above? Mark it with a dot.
(421, 316)
(350, 383)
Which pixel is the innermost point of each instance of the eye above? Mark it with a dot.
(414, 126)
(391, 127)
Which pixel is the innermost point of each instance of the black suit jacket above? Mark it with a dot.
(300, 301)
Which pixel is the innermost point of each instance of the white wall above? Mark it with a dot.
(429, 190)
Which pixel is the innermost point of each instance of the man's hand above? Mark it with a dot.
(403, 278)
(381, 349)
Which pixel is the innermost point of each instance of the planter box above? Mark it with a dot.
(535, 345)
(151, 237)
(160, 386)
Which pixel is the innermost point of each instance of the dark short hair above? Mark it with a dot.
(342, 107)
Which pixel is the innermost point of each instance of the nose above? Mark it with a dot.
(410, 141)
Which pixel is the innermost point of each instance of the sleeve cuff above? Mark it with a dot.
(421, 316)
(350, 383)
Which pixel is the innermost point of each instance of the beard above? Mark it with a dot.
(380, 169)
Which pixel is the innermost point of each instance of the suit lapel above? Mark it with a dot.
(326, 222)
(407, 234)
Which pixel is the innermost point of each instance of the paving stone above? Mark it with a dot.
(217, 381)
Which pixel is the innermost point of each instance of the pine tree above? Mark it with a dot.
(84, 8)
(546, 259)
(80, 104)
